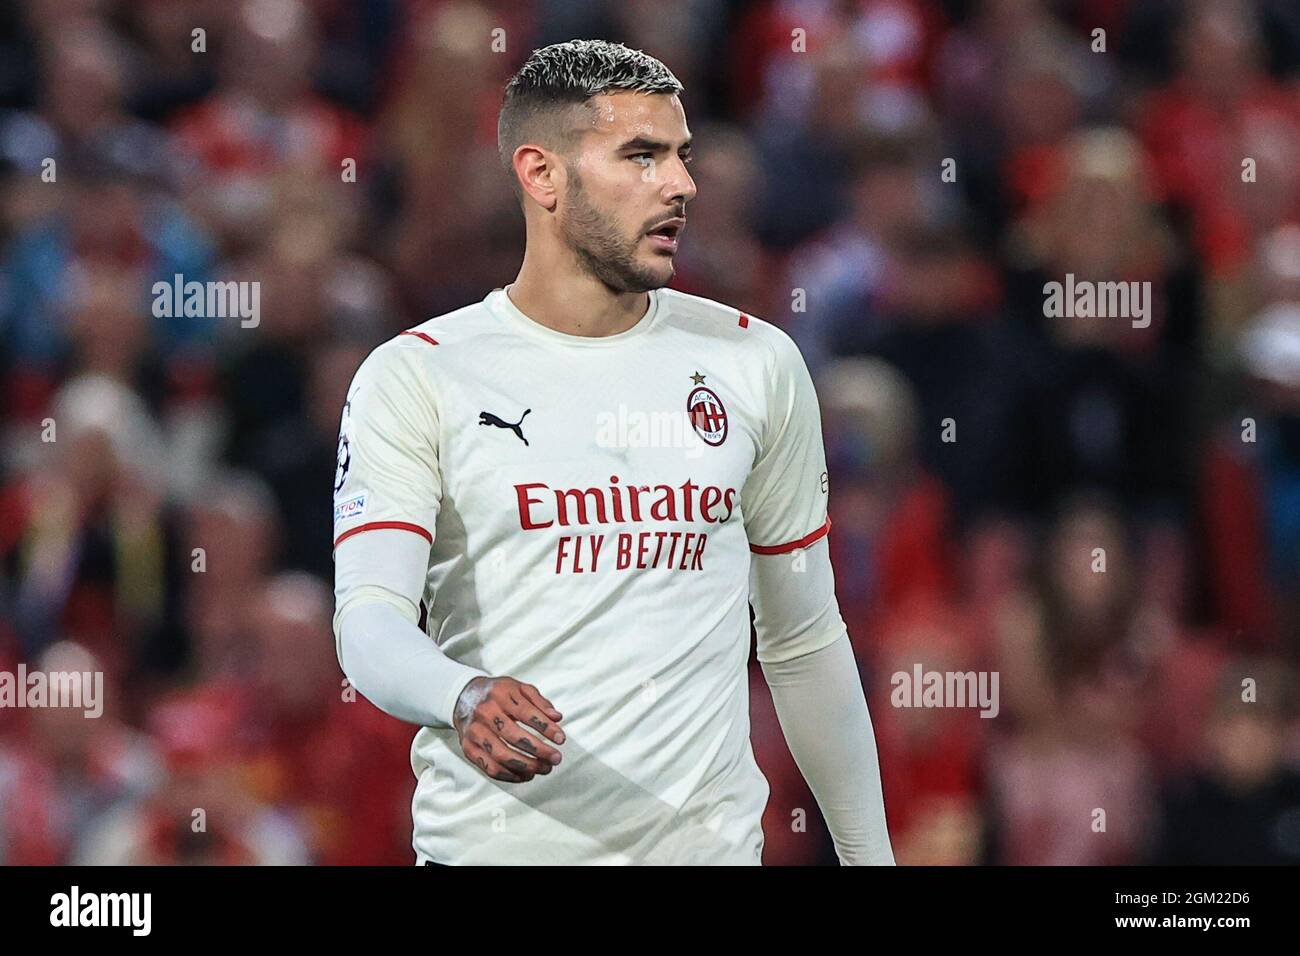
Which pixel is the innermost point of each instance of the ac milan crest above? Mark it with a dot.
(708, 417)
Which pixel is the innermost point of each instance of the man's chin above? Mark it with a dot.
(658, 273)
(645, 280)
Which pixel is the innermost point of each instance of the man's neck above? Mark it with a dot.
(575, 304)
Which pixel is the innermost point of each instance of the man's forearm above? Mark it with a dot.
(379, 577)
(823, 714)
(397, 666)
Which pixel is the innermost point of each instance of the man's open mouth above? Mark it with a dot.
(666, 234)
(668, 231)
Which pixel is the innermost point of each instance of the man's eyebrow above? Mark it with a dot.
(651, 145)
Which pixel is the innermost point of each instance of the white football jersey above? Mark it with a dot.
(592, 505)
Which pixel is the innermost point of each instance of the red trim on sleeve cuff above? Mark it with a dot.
(384, 526)
(793, 545)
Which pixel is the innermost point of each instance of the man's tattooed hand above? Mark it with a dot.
(488, 718)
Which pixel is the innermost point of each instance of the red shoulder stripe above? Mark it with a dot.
(420, 335)
(744, 321)
(793, 545)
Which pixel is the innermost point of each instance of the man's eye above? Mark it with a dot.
(644, 159)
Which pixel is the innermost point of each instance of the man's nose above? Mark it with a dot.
(680, 185)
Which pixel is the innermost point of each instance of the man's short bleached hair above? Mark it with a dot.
(544, 101)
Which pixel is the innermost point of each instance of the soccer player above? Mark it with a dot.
(554, 507)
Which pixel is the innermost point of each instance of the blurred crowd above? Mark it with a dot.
(891, 181)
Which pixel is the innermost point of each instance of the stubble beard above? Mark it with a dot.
(601, 252)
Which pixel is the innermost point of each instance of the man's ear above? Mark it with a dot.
(540, 174)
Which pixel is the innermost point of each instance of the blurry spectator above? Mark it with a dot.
(174, 77)
(1089, 610)
(89, 539)
(1069, 781)
(1014, 83)
(264, 113)
(70, 768)
(1074, 789)
(234, 527)
(1251, 473)
(102, 222)
(200, 815)
(842, 270)
(930, 756)
(1242, 805)
(107, 203)
(298, 455)
(1098, 220)
(968, 370)
(1221, 110)
(1109, 405)
(445, 245)
(316, 749)
(890, 517)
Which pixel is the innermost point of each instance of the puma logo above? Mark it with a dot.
(487, 418)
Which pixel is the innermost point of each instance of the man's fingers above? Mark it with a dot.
(479, 750)
(540, 702)
(543, 717)
(528, 715)
(514, 746)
